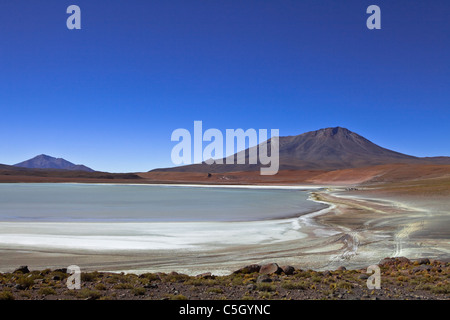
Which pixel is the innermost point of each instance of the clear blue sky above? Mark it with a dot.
(110, 95)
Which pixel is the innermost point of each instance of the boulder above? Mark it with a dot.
(341, 268)
(402, 260)
(270, 268)
(22, 269)
(248, 269)
(424, 261)
(288, 270)
(394, 261)
(387, 261)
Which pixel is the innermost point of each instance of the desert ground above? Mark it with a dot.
(400, 279)
(373, 213)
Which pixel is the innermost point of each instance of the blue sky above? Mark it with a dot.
(110, 95)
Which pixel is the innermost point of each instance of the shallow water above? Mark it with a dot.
(149, 203)
(115, 218)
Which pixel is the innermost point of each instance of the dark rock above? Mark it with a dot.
(326, 273)
(270, 268)
(63, 270)
(288, 270)
(394, 261)
(387, 261)
(56, 278)
(402, 260)
(341, 268)
(263, 278)
(248, 269)
(206, 275)
(363, 276)
(424, 261)
(22, 269)
(19, 287)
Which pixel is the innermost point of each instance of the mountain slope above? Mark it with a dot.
(46, 162)
(335, 148)
(324, 149)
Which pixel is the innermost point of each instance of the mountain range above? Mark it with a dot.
(325, 149)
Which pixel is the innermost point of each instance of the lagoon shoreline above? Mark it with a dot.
(351, 232)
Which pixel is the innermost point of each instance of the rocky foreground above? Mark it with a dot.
(401, 278)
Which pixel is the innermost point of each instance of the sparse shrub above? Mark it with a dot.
(294, 285)
(344, 285)
(214, 290)
(441, 288)
(125, 286)
(264, 286)
(424, 286)
(237, 281)
(46, 291)
(200, 282)
(26, 282)
(401, 278)
(100, 286)
(176, 297)
(88, 294)
(89, 277)
(138, 291)
(150, 276)
(6, 295)
(265, 295)
(25, 294)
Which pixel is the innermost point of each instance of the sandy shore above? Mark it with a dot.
(356, 230)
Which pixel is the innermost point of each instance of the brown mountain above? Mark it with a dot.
(324, 149)
(46, 162)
